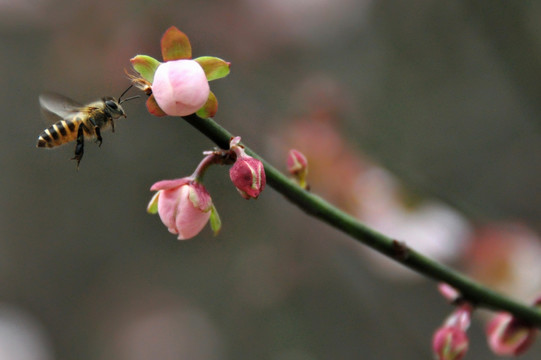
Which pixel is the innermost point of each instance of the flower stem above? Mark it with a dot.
(212, 157)
(314, 205)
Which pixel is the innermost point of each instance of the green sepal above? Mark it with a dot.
(175, 45)
(153, 107)
(215, 68)
(215, 222)
(210, 108)
(146, 66)
(152, 207)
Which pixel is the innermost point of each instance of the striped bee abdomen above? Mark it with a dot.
(59, 133)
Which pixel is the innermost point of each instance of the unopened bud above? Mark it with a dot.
(450, 343)
(297, 165)
(509, 336)
(448, 292)
(247, 173)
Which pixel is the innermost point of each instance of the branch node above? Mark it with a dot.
(400, 251)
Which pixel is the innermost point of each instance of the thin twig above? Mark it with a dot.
(314, 205)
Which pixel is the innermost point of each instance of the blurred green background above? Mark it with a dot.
(444, 94)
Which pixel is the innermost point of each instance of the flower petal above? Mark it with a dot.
(168, 208)
(175, 45)
(215, 68)
(190, 219)
(170, 184)
(200, 197)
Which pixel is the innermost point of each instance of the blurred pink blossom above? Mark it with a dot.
(505, 256)
(425, 225)
(450, 343)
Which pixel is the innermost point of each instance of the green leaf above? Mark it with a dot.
(175, 45)
(215, 222)
(153, 107)
(215, 68)
(210, 108)
(146, 66)
(152, 207)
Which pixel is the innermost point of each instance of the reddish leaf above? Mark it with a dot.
(153, 108)
(175, 45)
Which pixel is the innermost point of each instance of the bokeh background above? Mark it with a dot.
(422, 118)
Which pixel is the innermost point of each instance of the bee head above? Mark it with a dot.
(113, 107)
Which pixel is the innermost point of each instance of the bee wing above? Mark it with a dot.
(55, 107)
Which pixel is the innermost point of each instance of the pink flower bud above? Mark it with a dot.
(449, 292)
(180, 87)
(247, 173)
(450, 343)
(461, 317)
(184, 206)
(296, 162)
(507, 335)
(297, 165)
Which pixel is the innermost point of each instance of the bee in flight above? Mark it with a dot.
(73, 121)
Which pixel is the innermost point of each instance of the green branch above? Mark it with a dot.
(316, 206)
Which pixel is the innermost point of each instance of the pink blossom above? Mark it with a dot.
(180, 87)
(507, 335)
(184, 206)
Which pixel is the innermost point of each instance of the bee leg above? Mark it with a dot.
(97, 131)
(80, 146)
(98, 136)
(112, 125)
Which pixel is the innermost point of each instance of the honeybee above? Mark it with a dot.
(73, 121)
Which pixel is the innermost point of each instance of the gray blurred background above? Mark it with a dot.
(444, 94)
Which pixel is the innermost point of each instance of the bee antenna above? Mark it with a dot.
(130, 98)
(124, 93)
